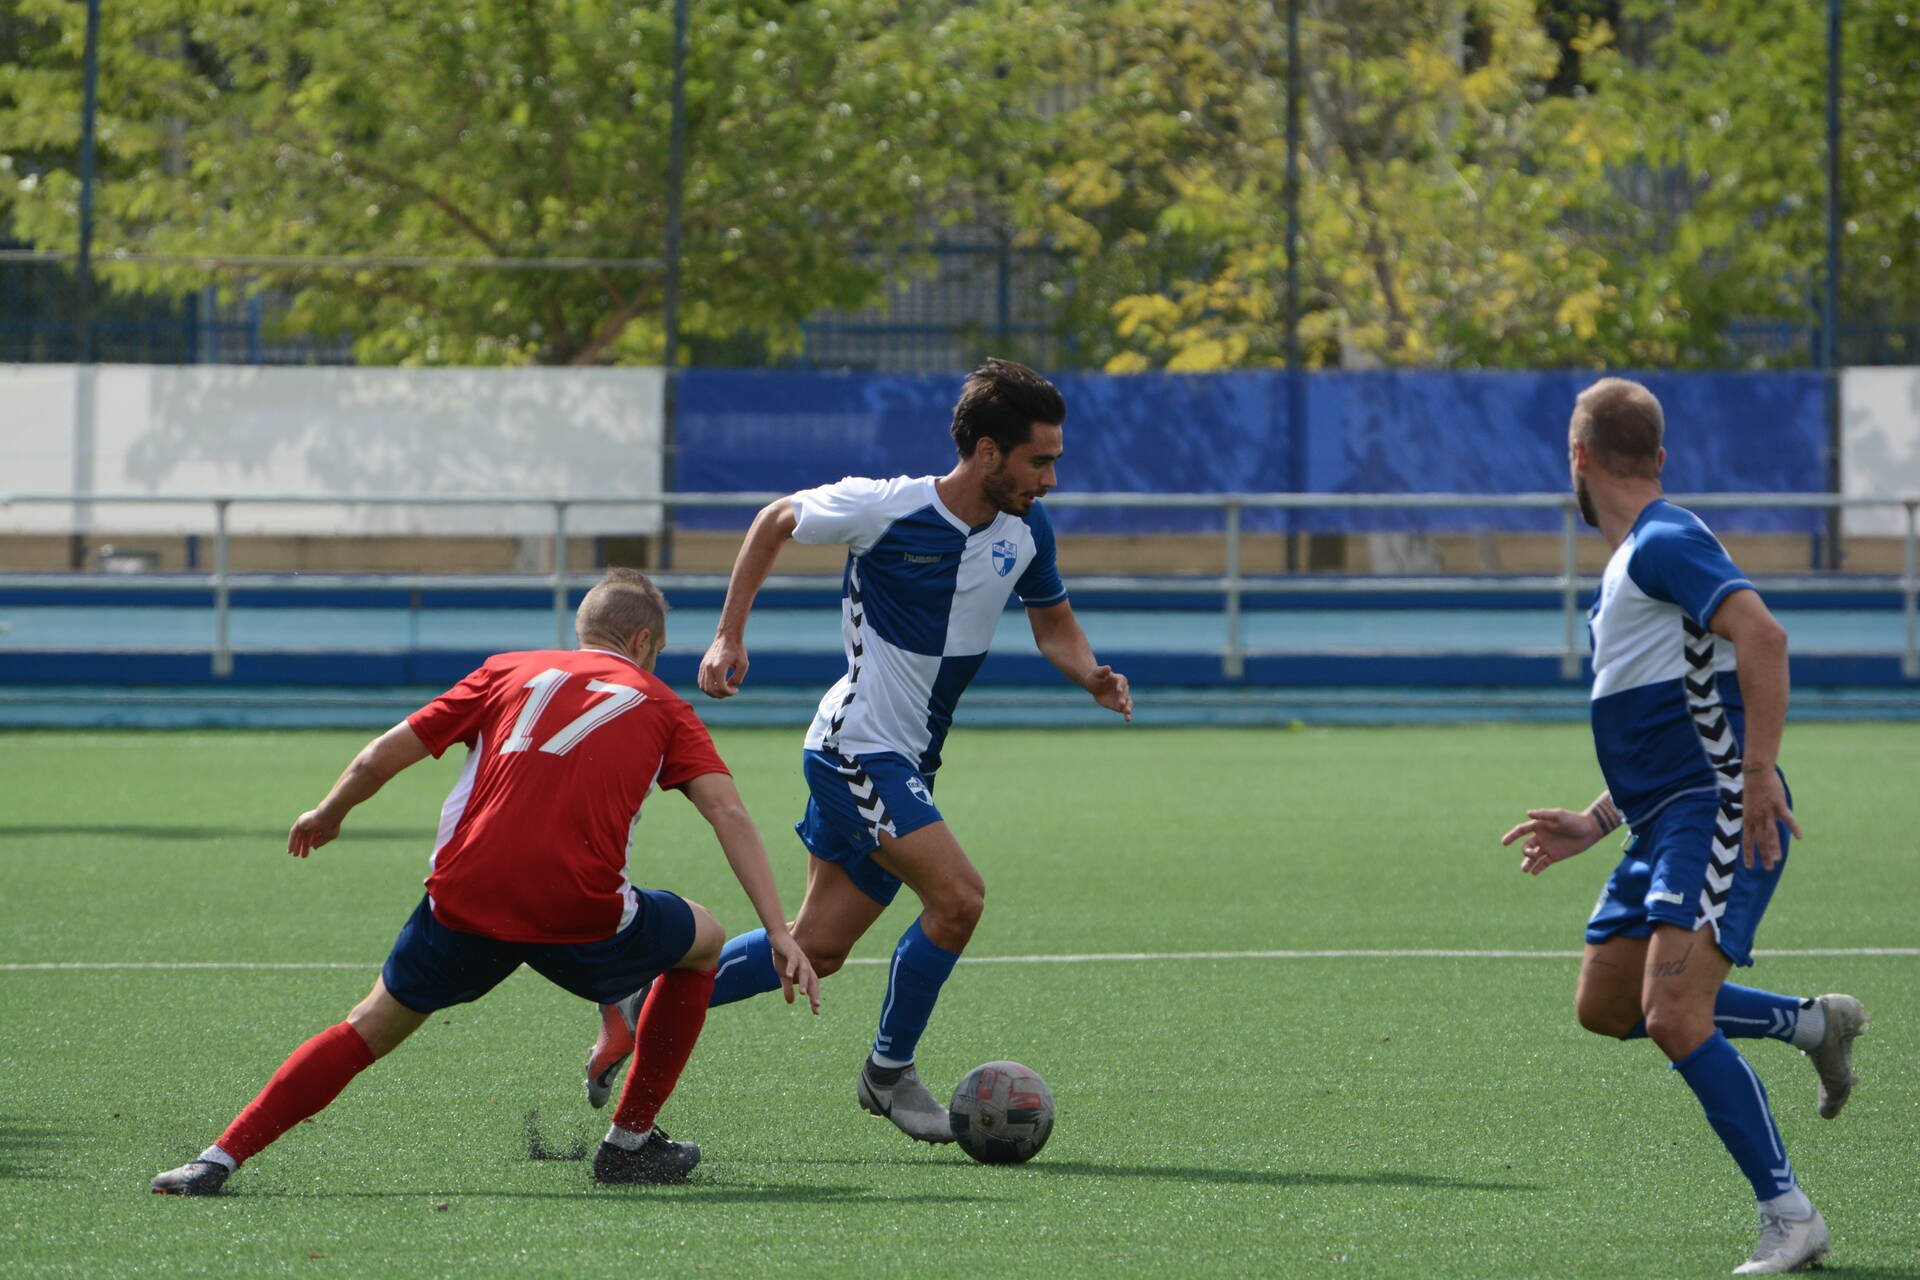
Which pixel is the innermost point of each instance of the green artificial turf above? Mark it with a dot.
(1386, 1116)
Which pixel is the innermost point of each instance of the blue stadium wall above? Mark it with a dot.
(1361, 432)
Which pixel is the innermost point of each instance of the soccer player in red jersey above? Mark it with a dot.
(529, 867)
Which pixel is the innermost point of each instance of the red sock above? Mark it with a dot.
(670, 1023)
(305, 1083)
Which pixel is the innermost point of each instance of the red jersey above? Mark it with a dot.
(563, 745)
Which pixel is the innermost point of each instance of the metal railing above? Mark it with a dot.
(1233, 585)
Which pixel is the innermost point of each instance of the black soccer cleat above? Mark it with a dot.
(194, 1178)
(659, 1162)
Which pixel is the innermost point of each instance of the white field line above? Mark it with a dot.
(1111, 957)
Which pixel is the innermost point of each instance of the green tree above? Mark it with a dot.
(512, 128)
(1733, 101)
(1438, 180)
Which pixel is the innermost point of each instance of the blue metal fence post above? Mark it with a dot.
(1296, 385)
(1569, 591)
(670, 320)
(1830, 287)
(222, 591)
(83, 406)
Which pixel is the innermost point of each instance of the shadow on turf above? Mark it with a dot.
(746, 1193)
(24, 1145)
(1270, 1178)
(155, 832)
(1234, 1177)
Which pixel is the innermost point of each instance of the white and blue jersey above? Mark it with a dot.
(921, 596)
(1667, 716)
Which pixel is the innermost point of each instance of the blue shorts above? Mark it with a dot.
(1683, 867)
(432, 966)
(851, 801)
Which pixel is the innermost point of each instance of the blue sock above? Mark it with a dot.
(746, 969)
(913, 983)
(1736, 1107)
(1747, 1013)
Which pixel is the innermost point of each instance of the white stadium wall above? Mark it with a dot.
(1879, 444)
(331, 433)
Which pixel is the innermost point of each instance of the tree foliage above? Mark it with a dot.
(1483, 182)
(1733, 102)
(818, 134)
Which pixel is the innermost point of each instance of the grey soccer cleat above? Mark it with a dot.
(908, 1103)
(1787, 1244)
(618, 1022)
(1833, 1057)
(194, 1178)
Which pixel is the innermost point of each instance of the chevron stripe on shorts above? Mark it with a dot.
(866, 798)
(1723, 752)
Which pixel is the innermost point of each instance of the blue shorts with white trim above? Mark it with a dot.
(1683, 867)
(851, 801)
(432, 966)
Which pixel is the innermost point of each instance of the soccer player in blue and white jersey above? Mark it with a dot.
(1689, 703)
(930, 564)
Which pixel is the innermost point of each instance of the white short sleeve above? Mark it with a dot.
(854, 511)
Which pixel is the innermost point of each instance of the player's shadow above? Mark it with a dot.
(1271, 1177)
(781, 1193)
(24, 1148)
(151, 832)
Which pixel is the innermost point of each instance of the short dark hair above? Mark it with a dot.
(1621, 424)
(1001, 401)
(621, 603)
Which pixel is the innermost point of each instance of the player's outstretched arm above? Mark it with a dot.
(1059, 636)
(725, 663)
(1760, 652)
(718, 801)
(1554, 835)
(372, 769)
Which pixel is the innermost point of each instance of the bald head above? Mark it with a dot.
(1620, 423)
(621, 604)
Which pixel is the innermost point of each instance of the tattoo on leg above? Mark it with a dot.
(1673, 968)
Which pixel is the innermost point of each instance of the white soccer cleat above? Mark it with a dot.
(610, 1052)
(1833, 1057)
(1787, 1244)
(908, 1103)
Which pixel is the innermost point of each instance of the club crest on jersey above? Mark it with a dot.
(919, 790)
(1004, 555)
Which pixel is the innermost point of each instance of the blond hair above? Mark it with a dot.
(621, 603)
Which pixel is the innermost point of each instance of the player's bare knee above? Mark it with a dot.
(709, 935)
(1606, 1019)
(382, 1022)
(825, 962)
(1678, 1029)
(951, 916)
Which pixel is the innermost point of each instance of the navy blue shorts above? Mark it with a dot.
(851, 800)
(1683, 867)
(432, 966)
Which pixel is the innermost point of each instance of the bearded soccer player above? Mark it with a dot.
(1689, 704)
(930, 564)
(530, 868)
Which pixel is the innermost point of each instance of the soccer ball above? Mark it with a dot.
(1001, 1113)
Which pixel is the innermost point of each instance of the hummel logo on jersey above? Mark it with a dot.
(919, 790)
(1004, 554)
(1674, 898)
